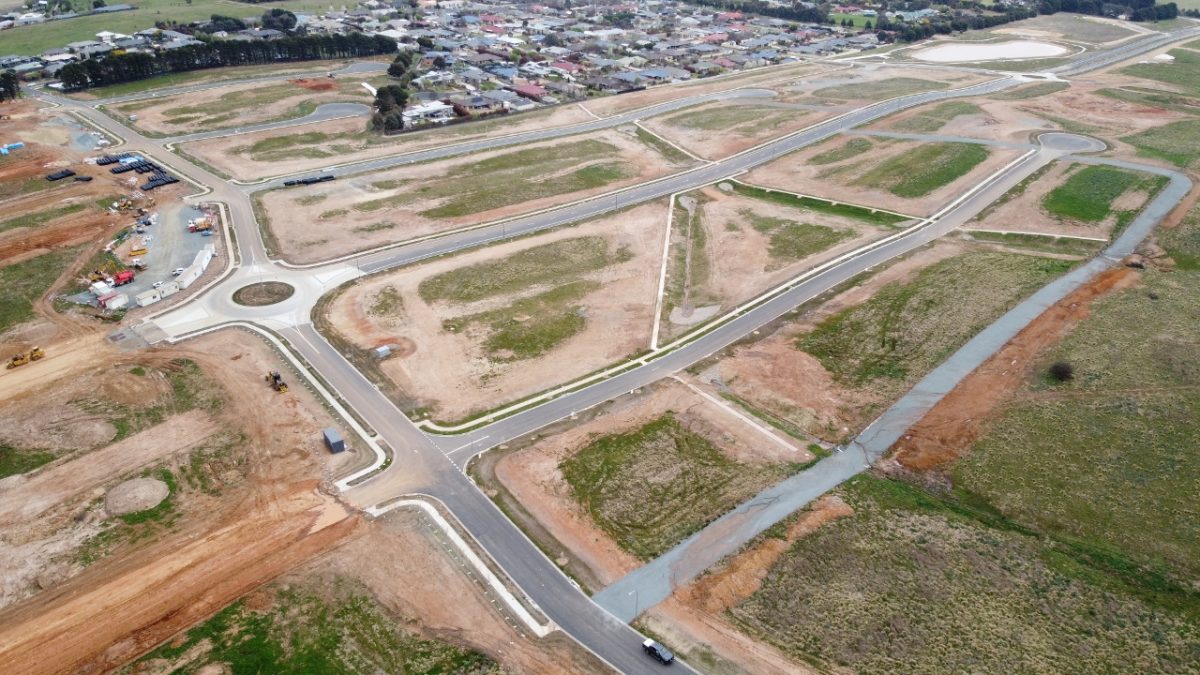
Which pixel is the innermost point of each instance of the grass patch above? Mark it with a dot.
(1156, 98)
(795, 241)
(673, 154)
(653, 487)
(906, 329)
(860, 213)
(531, 326)
(14, 461)
(1183, 72)
(851, 148)
(1088, 194)
(376, 227)
(1068, 124)
(936, 117)
(1037, 242)
(743, 120)
(916, 583)
(925, 168)
(551, 263)
(880, 89)
(24, 283)
(1177, 142)
(1031, 91)
(317, 626)
(35, 219)
(190, 389)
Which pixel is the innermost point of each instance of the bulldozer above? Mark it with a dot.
(276, 381)
(21, 359)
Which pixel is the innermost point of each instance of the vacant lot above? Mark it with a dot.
(486, 327)
(319, 222)
(1089, 193)
(905, 176)
(211, 76)
(740, 125)
(238, 105)
(736, 244)
(1183, 73)
(295, 150)
(1030, 91)
(1071, 27)
(931, 118)
(1177, 143)
(23, 284)
(912, 583)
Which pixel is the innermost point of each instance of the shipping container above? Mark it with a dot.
(333, 440)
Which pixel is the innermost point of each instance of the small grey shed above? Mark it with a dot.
(334, 440)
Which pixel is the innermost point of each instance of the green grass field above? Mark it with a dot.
(652, 487)
(851, 148)
(916, 583)
(37, 39)
(933, 118)
(906, 329)
(23, 283)
(559, 262)
(1088, 194)
(880, 89)
(1183, 72)
(857, 19)
(1031, 91)
(925, 168)
(210, 76)
(321, 625)
(1177, 142)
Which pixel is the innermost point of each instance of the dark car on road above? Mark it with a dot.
(658, 651)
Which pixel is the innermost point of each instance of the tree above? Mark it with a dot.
(439, 62)
(389, 108)
(279, 19)
(97, 4)
(867, 26)
(229, 24)
(400, 65)
(10, 85)
(1062, 371)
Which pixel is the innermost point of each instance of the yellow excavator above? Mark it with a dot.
(277, 382)
(21, 359)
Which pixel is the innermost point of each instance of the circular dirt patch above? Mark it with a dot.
(263, 294)
(135, 495)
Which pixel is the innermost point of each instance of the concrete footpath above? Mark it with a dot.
(652, 583)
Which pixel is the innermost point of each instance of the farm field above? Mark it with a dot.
(836, 365)
(731, 245)
(237, 105)
(389, 206)
(717, 130)
(905, 176)
(491, 326)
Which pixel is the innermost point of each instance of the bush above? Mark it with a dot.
(1062, 371)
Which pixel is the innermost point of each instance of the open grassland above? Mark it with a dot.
(931, 119)
(916, 583)
(1031, 91)
(320, 626)
(1182, 73)
(653, 487)
(925, 169)
(1069, 26)
(532, 326)
(33, 40)
(1108, 458)
(906, 329)
(746, 120)
(1154, 98)
(22, 284)
(557, 262)
(795, 241)
(1088, 194)
(879, 89)
(206, 77)
(1177, 143)
(851, 148)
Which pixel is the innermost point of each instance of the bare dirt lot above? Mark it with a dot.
(296, 149)
(533, 478)
(324, 221)
(851, 179)
(451, 373)
(742, 246)
(237, 105)
(717, 130)
(243, 510)
(873, 82)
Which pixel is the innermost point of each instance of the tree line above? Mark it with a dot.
(10, 86)
(130, 66)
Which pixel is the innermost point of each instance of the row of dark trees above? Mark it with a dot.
(10, 86)
(389, 108)
(1136, 10)
(126, 67)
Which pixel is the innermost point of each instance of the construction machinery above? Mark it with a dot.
(21, 359)
(276, 381)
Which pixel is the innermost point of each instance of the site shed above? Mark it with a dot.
(333, 440)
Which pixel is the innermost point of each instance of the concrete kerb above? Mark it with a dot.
(638, 124)
(662, 274)
(729, 316)
(468, 552)
(318, 387)
(800, 195)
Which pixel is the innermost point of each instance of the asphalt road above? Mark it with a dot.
(426, 463)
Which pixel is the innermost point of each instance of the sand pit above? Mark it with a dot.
(960, 52)
(135, 495)
(375, 209)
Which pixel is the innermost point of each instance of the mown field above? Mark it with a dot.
(318, 626)
(653, 487)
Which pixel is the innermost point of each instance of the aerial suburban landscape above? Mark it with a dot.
(719, 336)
